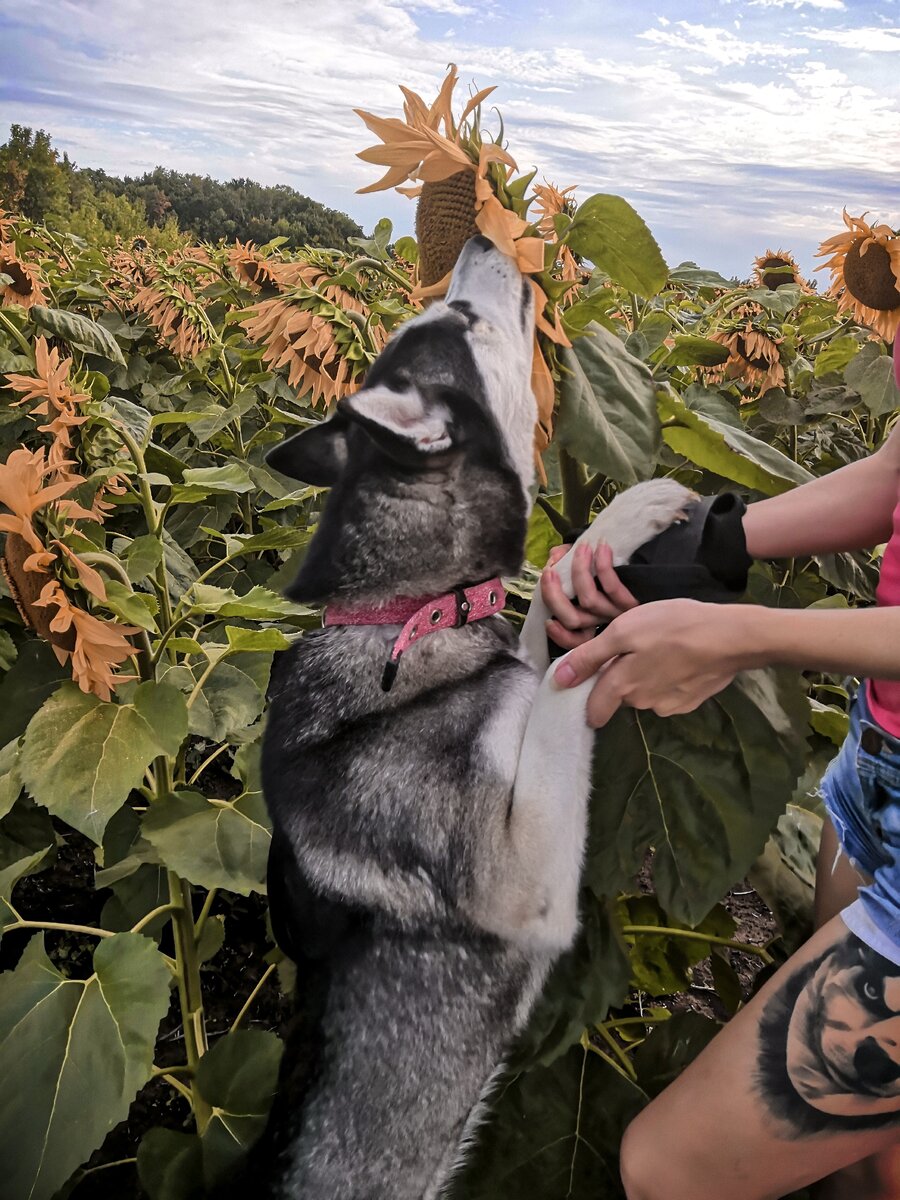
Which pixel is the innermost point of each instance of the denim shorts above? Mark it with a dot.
(861, 791)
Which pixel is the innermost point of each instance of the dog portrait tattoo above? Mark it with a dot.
(829, 1043)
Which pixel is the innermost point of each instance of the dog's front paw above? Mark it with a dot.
(639, 514)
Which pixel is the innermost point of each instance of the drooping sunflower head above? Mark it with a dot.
(754, 356)
(25, 288)
(865, 273)
(252, 268)
(775, 268)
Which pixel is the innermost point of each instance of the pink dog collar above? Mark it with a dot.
(421, 615)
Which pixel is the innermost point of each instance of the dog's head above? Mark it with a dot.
(430, 463)
(843, 1049)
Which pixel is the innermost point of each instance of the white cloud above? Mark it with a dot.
(835, 5)
(870, 39)
(716, 43)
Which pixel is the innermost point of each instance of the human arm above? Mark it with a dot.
(671, 655)
(848, 509)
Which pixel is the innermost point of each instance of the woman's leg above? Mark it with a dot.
(837, 885)
(804, 1081)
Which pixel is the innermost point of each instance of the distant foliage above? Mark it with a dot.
(166, 208)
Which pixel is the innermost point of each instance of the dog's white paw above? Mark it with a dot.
(640, 513)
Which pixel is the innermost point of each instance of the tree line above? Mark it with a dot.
(164, 207)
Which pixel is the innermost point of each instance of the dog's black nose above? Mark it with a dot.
(873, 1065)
(481, 242)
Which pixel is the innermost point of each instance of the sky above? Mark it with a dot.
(732, 126)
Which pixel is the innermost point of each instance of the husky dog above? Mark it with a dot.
(428, 838)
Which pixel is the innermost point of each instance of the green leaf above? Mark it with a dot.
(662, 964)
(231, 480)
(280, 538)
(8, 651)
(836, 355)
(607, 409)
(143, 556)
(77, 331)
(229, 701)
(408, 249)
(9, 877)
(26, 685)
(134, 608)
(258, 602)
(67, 1041)
(877, 388)
(704, 789)
(81, 757)
(256, 639)
(583, 985)
(554, 1132)
(10, 777)
(730, 452)
(830, 721)
(692, 350)
(671, 1047)
(541, 538)
(689, 275)
(607, 231)
(24, 830)
(212, 843)
(170, 1165)
(133, 417)
(237, 1077)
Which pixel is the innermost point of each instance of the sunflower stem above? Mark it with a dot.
(16, 335)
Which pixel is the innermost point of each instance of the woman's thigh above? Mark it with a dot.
(802, 1082)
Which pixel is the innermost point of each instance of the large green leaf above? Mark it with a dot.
(237, 1078)
(607, 231)
(607, 408)
(77, 331)
(26, 685)
(73, 1054)
(554, 1133)
(584, 984)
(212, 843)
(82, 756)
(692, 350)
(726, 450)
(703, 789)
(10, 777)
(170, 1165)
(229, 701)
(258, 602)
(9, 877)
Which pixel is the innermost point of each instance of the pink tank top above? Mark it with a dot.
(884, 694)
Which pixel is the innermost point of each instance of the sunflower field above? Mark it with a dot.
(145, 548)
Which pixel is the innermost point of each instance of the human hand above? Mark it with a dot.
(668, 656)
(571, 626)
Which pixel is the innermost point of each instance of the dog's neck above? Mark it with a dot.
(387, 535)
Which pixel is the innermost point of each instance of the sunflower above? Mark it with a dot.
(775, 268)
(312, 338)
(753, 357)
(25, 289)
(31, 560)
(57, 401)
(550, 201)
(6, 226)
(252, 269)
(178, 319)
(865, 273)
(457, 176)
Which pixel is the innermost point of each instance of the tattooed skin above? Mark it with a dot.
(829, 1043)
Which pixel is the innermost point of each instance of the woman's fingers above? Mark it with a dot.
(616, 591)
(561, 606)
(568, 638)
(556, 553)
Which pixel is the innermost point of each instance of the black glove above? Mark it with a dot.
(703, 557)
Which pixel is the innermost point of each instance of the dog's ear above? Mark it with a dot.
(317, 455)
(411, 425)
